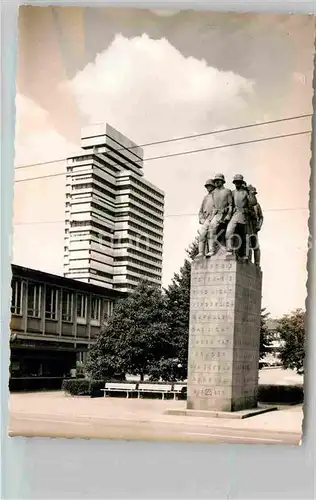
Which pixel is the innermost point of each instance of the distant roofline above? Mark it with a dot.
(71, 283)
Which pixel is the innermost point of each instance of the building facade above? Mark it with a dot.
(54, 320)
(114, 216)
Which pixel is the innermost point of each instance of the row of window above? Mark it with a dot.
(104, 211)
(96, 187)
(124, 285)
(108, 241)
(141, 237)
(144, 256)
(147, 188)
(85, 270)
(92, 223)
(96, 160)
(97, 206)
(147, 205)
(136, 163)
(36, 297)
(131, 205)
(92, 204)
(140, 193)
(100, 161)
(135, 270)
(81, 158)
(138, 262)
(146, 213)
(124, 161)
(135, 181)
(92, 176)
(137, 243)
(145, 221)
(100, 217)
(111, 167)
(145, 230)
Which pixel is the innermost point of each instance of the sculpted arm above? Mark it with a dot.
(252, 198)
(260, 217)
(229, 205)
(201, 213)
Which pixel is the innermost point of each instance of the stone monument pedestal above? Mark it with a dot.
(224, 338)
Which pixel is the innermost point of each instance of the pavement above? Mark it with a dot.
(53, 414)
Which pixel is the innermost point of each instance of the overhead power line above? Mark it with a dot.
(222, 146)
(293, 209)
(220, 131)
(211, 148)
(191, 136)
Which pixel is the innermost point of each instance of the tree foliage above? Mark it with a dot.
(135, 338)
(291, 328)
(178, 313)
(265, 336)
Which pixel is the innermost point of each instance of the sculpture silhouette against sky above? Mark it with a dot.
(230, 220)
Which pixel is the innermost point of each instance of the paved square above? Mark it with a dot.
(54, 414)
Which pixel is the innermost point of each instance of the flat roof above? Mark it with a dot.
(35, 274)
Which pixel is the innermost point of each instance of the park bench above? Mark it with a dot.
(178, 389)
(155, 388)
(119, 387)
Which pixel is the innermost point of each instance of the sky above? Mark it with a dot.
(157, 75)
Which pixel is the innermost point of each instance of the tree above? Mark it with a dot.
(178, 311)
(134, 338)
(193, 249)
(292, 332)
(178, 314)
(265, 336)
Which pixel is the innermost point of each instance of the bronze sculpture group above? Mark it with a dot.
(230, 220)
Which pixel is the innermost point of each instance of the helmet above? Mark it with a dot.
(252, 189)
(219, 177)
(209, 182)
(238, 178)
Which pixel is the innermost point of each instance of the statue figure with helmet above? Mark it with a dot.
(239, 224)
(221, 213)
(205, 216)
(256, 218)
(237, 214)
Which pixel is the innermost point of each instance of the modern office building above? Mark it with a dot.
(54, 320)
(114, 216)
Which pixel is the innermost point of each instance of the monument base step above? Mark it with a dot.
(221, 414)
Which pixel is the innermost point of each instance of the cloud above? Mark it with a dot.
(146, 88)
(36, 140)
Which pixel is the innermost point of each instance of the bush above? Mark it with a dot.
(289, 394)
(76, 386)
(95, 388)
(83, 387)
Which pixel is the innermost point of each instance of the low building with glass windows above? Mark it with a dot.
(54, 320)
